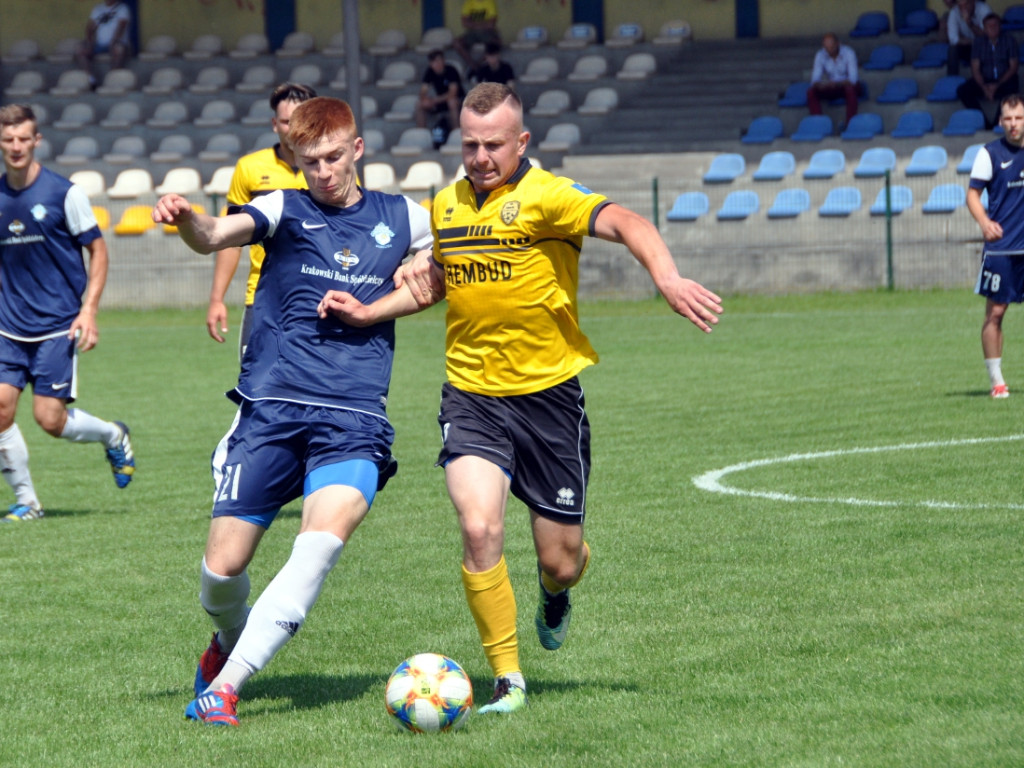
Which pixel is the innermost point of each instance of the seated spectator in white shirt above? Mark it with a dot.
(105, 32)
(965, 22)
(834, 76)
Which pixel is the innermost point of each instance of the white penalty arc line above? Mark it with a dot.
(712, 481)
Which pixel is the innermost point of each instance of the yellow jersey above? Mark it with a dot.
(257, 174)
(480, 10)
(511, 270)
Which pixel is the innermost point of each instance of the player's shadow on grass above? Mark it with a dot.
(311, 691)
(969, 393)
(539, 686)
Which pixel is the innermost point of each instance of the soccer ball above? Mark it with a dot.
(428, 693)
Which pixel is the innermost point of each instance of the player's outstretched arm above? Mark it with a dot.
(200, 231)
(347, 308)
(686, 297)
(423, 277)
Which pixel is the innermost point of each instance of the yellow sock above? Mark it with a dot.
(554, 588)
(493, 605)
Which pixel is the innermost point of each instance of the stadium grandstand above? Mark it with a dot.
(639, 100)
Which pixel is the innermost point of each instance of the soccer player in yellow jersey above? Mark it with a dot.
(257, 173)
(507, 240)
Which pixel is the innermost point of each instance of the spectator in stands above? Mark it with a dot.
(105, 32)
(440, 94)
(480, 22)
(256, 174)
(994, 63)
(834, 76)
(494, 69)
(965, 22)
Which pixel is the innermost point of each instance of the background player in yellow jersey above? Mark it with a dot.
(507, 240)
(257, 173)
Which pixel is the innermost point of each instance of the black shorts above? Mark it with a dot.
(541, 440)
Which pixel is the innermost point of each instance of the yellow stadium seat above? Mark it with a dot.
(136, 220)
(170, 229)
(102, 216)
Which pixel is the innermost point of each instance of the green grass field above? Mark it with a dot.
(852, 599)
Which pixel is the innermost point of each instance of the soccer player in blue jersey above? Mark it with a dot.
(48, 306)
(312, 391)
(999, 168)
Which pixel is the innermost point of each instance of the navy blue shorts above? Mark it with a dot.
(541, 440)
(1001, 279)
(50, 365)
(273, 447)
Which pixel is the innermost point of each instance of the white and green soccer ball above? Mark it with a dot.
(429, 693)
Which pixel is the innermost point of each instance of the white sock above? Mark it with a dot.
(14, 466)
(995, 370)
(281, 610)
(516, 679)
(224, 598)
(82, 427)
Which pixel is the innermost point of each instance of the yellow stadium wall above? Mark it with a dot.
(49, 21)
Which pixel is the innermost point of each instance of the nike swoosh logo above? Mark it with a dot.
(308, 225)
(59, 386)
(1007, 164)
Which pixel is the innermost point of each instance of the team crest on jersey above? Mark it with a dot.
(346, 258)
(39, 212)
(16, 227)
(382, 234)
(509, 211)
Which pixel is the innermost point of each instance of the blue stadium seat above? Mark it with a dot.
(1013, 18)
(931, 56)
(899, 90)
(863, 126)
(913, 125)
(739, 204)
(927, 161)
(688, 206)
(875, 162)
(964, 122)
(813, 128)
(967, 161)
(775, 166)
(884, 57)
(945, 198)
(725, 168)
(945, 88)
(825, 163)
(789, 203)
(795, 94)
(763, 130)
(919, 22)
(900, 198)
(871, 24)
(840, 201)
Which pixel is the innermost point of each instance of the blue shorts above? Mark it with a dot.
(541, 440)
(277, 451)
(1001, 279)
(50, 365)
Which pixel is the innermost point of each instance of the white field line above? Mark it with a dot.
(712, 481)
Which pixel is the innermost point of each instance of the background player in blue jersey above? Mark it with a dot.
(312, 391)
(48, 305)
(999, 168)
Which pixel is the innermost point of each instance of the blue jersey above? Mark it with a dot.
(43, 229)
(295, 356)
(999, 168)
